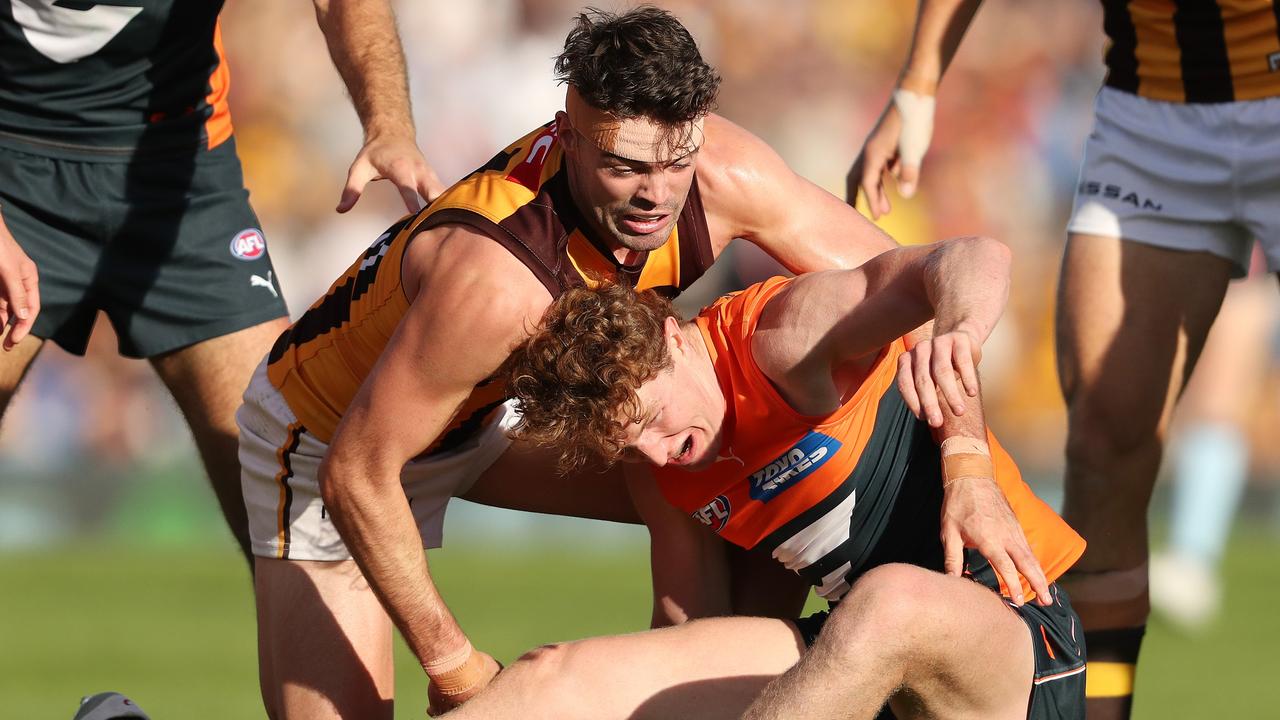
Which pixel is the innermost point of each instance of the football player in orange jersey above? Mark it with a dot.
(776, 420)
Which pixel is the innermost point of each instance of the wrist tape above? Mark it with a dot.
(965, 457)
(916, 111)
(458, 672)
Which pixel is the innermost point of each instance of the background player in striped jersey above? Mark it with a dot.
(120, 186)
(775, 421)
(383, 401)
(1180, 175)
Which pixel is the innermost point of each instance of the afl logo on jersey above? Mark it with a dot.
(792, 466)
(248, 244)
(714, 514)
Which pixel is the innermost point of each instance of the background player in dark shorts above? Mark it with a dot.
(121, 192)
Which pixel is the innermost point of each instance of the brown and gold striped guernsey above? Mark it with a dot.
(1194, 51)
(521, 199)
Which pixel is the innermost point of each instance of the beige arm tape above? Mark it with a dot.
(458, 672)
(965, 457)
(916, 111)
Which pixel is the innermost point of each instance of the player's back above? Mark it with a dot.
(110, 77)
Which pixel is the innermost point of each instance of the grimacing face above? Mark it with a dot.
(632, 204)
(681, 417)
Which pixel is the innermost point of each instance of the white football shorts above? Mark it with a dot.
(279, 460)
(1184, 176)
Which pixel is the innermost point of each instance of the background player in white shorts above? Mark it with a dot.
(1181, 174)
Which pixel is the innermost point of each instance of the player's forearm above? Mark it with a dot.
(967, 282)
(940, 26)
(366, 50)
(368, 507)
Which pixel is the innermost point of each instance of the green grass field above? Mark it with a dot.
(174, 628)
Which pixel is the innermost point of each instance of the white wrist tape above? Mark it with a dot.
(916, 111)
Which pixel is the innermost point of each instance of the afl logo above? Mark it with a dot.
(714, 514)
(248, 244)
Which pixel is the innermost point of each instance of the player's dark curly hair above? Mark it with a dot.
(576, 377)
(642, 63)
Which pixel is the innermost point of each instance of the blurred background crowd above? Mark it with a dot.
(810, 77)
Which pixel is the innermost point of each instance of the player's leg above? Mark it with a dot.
(940, 646)
(706, 669)
(1209, 458)
(188, 283)
(207, 380)
(14, 366)
(324, 642)
(1127, 341)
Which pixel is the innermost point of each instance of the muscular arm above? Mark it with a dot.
(365, 47)
(749, 192)
(825, 321)
(689, 565)
(473, 302)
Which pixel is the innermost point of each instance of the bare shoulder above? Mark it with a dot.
(457, 271)
(467, 287)
(734, 162)
(791, 337)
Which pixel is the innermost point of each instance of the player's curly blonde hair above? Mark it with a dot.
(576, 377)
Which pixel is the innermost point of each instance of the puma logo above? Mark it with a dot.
(259, 281)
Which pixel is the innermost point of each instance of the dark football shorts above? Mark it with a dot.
(166, 245)
(1056, 638)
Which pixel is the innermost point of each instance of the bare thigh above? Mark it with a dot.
(707, 669)
(1131, 322)
(207, 380)
(14, 366)
(324, 641)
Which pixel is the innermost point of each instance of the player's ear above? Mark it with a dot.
(672, 334)
(564, 131)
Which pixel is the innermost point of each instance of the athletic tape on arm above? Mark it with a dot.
(916, 111)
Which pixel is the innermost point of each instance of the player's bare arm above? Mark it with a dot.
(457, 279)
(751, 193)
(689, 566)
(828, 326)
(824, 322)
(19, 290)
(365, 47)
(900, 138)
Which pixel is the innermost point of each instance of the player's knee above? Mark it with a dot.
(1102, 428)
(882, 610)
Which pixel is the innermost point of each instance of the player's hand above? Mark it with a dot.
(19, 290)
(896, 146)
(976, 514)
(440, 703)
(397, 159)
(944, 365)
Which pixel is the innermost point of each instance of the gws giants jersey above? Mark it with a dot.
(832, 497)
(112, 77)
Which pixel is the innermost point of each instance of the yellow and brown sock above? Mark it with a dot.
(1113, 661)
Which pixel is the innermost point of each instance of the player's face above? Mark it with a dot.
(633, 204)
(681, 419)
